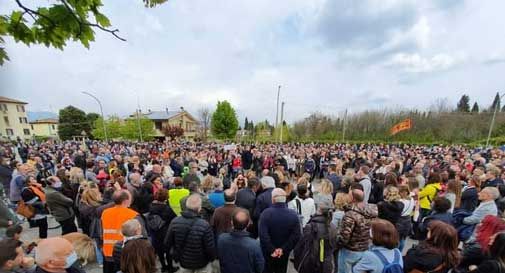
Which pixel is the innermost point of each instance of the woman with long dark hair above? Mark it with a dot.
(438, 253)
(138, 257)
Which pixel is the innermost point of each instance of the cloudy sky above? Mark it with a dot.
(328, 55)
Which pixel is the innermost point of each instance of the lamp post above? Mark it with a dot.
(492, 120)
(101, 111)
(138, 112)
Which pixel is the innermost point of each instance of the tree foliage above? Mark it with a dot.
(130, 129)
(475, 108)
(224, 123)
(173, 131)
(123, 129)
(56, 24)
(496, 103)
(463, 104)
(72, 122)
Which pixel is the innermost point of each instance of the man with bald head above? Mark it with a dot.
(56, 255)
(354, 233)
(279, 230)
(237, 251)
(220, 220)
(112, 220)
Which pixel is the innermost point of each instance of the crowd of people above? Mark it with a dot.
(210, 207)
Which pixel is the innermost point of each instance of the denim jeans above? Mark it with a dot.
(347, 259)
(401, 245)
(99, 254)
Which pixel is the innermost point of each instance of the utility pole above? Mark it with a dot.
(492, 121)
(343, 126)
(282, 120)
(277, 110)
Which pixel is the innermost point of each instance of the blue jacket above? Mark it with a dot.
(217, 199)
(444, 217)
(263, 201)
(238, 252)
(485, 208)
(279, 227)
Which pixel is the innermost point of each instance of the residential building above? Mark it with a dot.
(14, 122)
(45, 127)
(180, 118)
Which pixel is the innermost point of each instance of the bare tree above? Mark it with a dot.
(204, 115)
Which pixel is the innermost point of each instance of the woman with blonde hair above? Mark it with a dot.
(391, 208)
(341, 199)
(325, 193)
(91, 199)
(404, 224)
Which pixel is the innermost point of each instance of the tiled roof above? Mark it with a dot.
(161, 115)
(46, 120)
(5, 99)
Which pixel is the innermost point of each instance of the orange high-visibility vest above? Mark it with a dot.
(112, 220)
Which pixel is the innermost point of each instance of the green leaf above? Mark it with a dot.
(102, 20)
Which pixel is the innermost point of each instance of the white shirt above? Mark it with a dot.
(408, 206)
(308, 208)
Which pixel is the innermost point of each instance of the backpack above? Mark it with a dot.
(309, 252)
(154, 222)
(393, 267)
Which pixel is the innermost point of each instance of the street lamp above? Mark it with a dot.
(492, 120)
(101, 111)
(138, 117)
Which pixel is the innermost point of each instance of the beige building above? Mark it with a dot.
(174, 118)
(45, 127)
(14, 122)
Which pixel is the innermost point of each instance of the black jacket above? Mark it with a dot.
(192, 240)
(469, 199)
(422, 258)
(263, 201)
(391, 211)
(167, 214)
(247, 159)
(246, 198)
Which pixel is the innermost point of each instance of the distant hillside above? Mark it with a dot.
(40, 115)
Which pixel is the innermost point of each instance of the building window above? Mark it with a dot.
(9, 132)
(157, 125)
(31, 126)
(26, 132)
(20, 108)
(53, 127)
(21, 120)
(6, 119)
(3, 107)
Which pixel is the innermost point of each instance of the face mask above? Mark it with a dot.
(71, 259)
(57, 185)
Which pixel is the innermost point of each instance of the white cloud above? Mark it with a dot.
(415, 63)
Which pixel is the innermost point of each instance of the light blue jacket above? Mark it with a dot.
(484, 209)
(370, 263)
